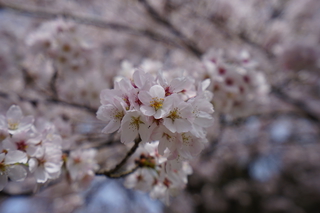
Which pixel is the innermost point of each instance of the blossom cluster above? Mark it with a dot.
(28, 147)
(35, 147)
(80, 166)
(59, 46)
(156, 175)
(174, 114)
(58, 41)
(236, 83)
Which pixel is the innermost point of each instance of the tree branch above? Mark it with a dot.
(110, 173)
(187, 43)
(90, 21)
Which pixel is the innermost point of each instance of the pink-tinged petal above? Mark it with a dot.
(17, 173)
(32, 150)
(144, 132)
(112, 126)
(16, 156)
(3, 181)
(41, 175)
(157, 91)
(139, 78)
(107, 96)
(204, 122)
(26, 122)
(8, 144)
(147, 110)
(3, 122)
(52, 167)
(128, 134)
(144, 97)
(129, 128)
(161, 147)
(182, 125)
(14, 114)
(167, 122)
(105, 112)
(33, 164)
(160, 114)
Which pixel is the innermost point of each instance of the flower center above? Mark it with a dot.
(174, 114)
(156, 103)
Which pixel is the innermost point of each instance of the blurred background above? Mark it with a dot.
(263, 150)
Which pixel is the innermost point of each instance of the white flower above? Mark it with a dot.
(15, 121)
(134, 123)
(9, 166)
(178, 115)
(112, 114)
(47, 164)
(81, 163)
(153, 102)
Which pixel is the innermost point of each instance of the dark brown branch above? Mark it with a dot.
(90, 21)
(53, 101)
(186, 42)
(302, 106)
(111, 173)
(53, 83)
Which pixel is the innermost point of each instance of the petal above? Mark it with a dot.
(157, 91)
(147, 110)
(14, 114)
(16, 156)
(26, 122)
(128, 132)
(52, 167)
(41, 175)
(17, 173)
(112, 126)
(3, 181)
(144, 132)
(160, 114)
(105, 112)
(33, 164)
(144, 97)
(3, 122)
(182, 125)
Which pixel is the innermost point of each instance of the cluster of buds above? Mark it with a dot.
(156, 175)
(173, 114)
(26, 147)
(58, 41)
(236, 84)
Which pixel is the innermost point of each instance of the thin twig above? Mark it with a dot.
(90, 21)
(186, 42)
(302, 106)
(111, 172)
(53, 83)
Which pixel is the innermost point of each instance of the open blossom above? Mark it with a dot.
(113, 114)
(134, 123)
(178, 116)
(14, 121)
(47, 164)
(153, 102)
(10, 166)
(81, 164)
